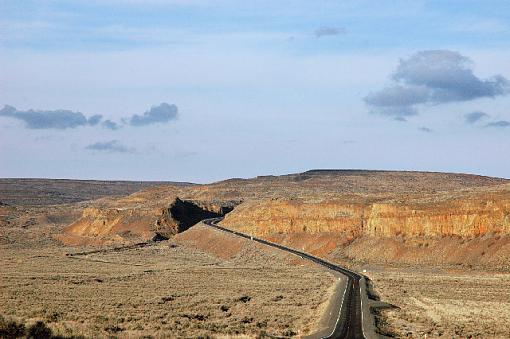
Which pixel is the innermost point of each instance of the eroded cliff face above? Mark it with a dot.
(106, 225)
(282, 216)
(138, 220)
(465, 216)
(471, 228)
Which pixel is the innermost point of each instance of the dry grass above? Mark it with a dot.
(164, 290)
(443, 303)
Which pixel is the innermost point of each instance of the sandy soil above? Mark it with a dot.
(165, 290)
(444, 303)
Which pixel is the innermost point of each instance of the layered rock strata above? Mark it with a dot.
(465, 215)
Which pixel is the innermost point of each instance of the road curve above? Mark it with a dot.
(349, 318)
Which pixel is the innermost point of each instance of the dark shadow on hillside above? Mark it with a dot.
(187, 214)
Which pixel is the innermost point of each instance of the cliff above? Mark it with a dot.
(466, 215)
(470, 227)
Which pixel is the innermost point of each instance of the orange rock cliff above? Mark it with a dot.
(465, 216)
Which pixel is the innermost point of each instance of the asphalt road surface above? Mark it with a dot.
(348, 318)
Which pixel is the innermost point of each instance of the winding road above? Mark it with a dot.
(348, 318)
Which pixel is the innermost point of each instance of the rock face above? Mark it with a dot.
(155, 214)
(114, 224)
(282, 216)
(118, 220)
(466, 215)
(468, 227)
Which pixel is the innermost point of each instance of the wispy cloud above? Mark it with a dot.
(426, 129)
(473, 117)
(433, 77)
(112, 146)
(499, 124)
(329, 31)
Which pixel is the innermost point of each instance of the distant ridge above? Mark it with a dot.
(332, 171)
(30, 191)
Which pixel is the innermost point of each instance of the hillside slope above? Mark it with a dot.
(407, 216)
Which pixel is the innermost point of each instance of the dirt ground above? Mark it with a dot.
(171, 289)
(444, 302)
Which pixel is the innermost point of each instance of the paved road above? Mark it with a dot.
(348, 318)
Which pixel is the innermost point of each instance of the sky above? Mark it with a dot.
(200, 91)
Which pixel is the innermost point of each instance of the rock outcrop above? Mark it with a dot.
(470, 227)
(112, 225)
(466, 215)
(155, 214)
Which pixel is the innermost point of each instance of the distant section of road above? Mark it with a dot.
(347, 319)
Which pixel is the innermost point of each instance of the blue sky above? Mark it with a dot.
(206, 90)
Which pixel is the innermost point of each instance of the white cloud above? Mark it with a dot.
(433, 77)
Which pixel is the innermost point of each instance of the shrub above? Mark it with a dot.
(245, 299)
(11, 329)
(39, 330)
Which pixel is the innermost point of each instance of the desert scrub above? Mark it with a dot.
(11, 329)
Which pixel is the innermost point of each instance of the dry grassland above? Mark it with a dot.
(163, 290)
(444, 303)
